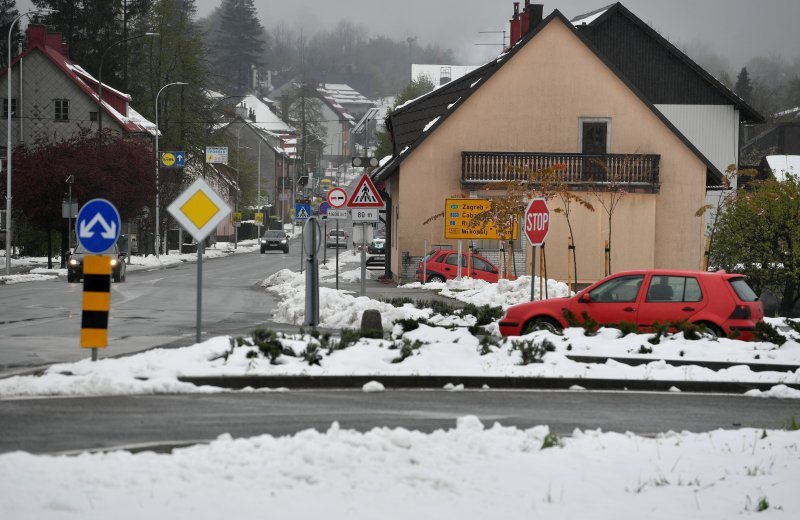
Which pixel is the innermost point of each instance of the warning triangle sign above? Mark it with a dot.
(365, 195)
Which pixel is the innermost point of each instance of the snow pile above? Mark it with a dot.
(21, 278)
(504, 293)
(469, 471)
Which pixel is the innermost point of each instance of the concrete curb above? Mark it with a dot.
(474, 383)
(711, 365)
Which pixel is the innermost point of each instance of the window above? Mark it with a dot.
(13, 108)
(674, 289)
(743, 291)
(481, 265)
(622, 289)
(61, 109)
(453, 260)
(93, 116)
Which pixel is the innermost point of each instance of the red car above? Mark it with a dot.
(721, 301)
(442, 265)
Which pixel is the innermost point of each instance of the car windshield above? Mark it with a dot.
(334, 233)
(274, 234)
(79, 250)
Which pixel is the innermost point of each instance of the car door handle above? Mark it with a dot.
(688, 309)
(628, 309)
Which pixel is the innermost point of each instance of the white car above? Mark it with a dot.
(336, 238)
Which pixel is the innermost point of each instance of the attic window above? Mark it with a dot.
(61, 112)
(93, 116)
(13, 108)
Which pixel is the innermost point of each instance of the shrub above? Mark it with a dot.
(570, 318)
(660, 329)
(486, 344)
(484, 314)
(626, 327)
(439, 307)
(791, 425)
(552, 440)
(531, 351)
(268, 343)
(398, 301)
(794, 325)
(645, 350)
(407, 350)
(311, 354)
(766, 332)
(691, 331)
(409, 324)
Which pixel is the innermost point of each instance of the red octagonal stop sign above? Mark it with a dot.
(537, 221)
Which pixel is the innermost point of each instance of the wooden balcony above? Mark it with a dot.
(578, 171)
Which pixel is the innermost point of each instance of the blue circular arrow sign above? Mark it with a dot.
(98, 226)
(323, 208)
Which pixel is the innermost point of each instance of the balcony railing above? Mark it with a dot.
(579, 171)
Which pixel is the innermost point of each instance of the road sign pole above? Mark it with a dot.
(364, 259)
(200, 245)
(325, 251)
(458, 267)
(337, 255)
(533, 271)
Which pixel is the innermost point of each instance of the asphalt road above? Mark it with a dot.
(40, 321)
(53, 425)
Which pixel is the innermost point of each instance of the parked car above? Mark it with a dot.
(336, 238)
(75, 264)
(377, 246)
(274, 239)
(722, 302)
(442, 265)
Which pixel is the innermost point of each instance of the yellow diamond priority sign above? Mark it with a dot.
(199, 209)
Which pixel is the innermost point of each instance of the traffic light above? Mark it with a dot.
(365, 161)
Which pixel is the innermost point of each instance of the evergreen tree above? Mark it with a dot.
(90, 27)
(8, 12)
(239, 43)
(744, 87)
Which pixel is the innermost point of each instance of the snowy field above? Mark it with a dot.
(471, 471)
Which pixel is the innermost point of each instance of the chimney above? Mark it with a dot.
(525, 19)
(535, 17)
(37, 35)
(515, 26)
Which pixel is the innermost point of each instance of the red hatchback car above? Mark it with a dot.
(442, 265)
(721, 301)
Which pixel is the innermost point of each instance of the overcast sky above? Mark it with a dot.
(736, 29)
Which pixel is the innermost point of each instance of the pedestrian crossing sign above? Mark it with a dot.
(365, 195)
(302, 211)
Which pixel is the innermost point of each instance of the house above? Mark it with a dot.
(263, 138)
(603, 95)
(59, 97)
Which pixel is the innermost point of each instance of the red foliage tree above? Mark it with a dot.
(121, 171)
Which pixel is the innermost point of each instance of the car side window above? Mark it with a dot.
(439, 259)
(622, 289)
(480, 265)
(673, 289)
(453, 260)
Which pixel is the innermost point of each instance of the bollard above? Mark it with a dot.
(371, 323)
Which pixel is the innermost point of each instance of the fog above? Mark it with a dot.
(737, 30)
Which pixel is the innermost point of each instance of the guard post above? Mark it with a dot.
(96, 303)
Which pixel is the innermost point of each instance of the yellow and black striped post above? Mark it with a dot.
(96, 302)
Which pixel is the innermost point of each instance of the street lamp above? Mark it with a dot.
(9, 153)
(100, 82)
(158, 164)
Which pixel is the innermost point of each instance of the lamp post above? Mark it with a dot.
(9, 150)
(158, 164)
(100, 82)
(260, 140)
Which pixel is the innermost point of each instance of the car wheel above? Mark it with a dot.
(548, 324)
(117, 277)
(72, 279)
(712, 329)
(286, 251)
(436, 278)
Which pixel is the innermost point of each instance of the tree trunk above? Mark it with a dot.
(788, 298)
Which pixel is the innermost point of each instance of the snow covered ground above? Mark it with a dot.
(470, 471)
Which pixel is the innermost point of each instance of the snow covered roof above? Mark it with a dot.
(587, 18)
(781, 165)
(265, 118)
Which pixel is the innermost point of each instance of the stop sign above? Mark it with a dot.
(537, 221)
